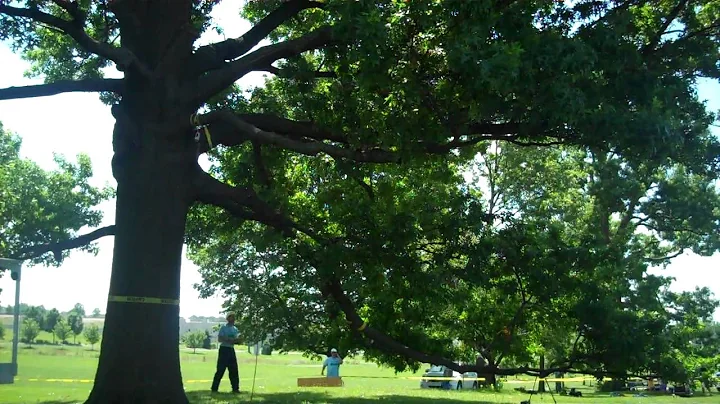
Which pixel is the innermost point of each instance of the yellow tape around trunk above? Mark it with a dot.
(145, 300)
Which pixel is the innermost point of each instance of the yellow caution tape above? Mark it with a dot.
(146, 300)
(90, 380)
(442, 378)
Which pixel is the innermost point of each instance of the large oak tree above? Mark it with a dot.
(405, 84)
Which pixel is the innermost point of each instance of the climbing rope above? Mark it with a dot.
(252, 390)
(195, 122)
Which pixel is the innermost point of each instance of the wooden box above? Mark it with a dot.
(319, 381)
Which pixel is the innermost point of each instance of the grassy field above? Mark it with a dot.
(53, 375)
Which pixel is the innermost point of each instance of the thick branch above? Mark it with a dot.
(242, 202)
(657, 260)
(213, 56)
(384, 342)
(64, 86)
(288, 127)
(57, 248)
(243, 131)
(282, 73)
(121, 56)
(217, 80)
(214, 192)
(306, 138)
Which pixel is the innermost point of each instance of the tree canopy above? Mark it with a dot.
(338, 192)
(41, 212)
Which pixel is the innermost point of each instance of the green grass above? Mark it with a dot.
(275, 383)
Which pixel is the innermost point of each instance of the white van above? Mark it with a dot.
(458, 381)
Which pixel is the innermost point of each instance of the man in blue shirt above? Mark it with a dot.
(228, 337)
(332, 363)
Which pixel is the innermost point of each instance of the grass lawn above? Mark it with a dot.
(50, 375)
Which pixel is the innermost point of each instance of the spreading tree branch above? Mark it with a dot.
(214, 192)
(243, 203)
(291, 128)
(64, 86)
(381, 341)
(230, 129)
(58, 248)
(283, 73)
(214, 56)
(658, 260)
(217, 80)
(122, 57)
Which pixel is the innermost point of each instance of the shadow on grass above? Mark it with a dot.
(201, 397)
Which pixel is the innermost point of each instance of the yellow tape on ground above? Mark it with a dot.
(90, 380)
(441, 378)
(142, 299)
(57, 380)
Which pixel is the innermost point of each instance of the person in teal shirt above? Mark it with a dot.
(228, 337)
(332, 363)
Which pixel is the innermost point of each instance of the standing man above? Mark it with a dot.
(227, 336)
(332, 363)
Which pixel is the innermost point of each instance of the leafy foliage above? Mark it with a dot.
(37, 313)
(29, 330)
(92, 335)
(546, 250)
(41, 207)
(194, 339)
(75, 321)
(591, 148)
(62, 330)
(51, 319)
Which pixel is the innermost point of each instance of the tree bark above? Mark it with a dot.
(139, 359)
(491, 380)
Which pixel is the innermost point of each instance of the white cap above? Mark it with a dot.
(333, 350)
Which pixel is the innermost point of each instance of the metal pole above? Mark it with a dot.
(16, 325)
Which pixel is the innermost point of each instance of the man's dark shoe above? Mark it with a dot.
(236, 391)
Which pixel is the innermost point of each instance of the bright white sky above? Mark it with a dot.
(79, 123)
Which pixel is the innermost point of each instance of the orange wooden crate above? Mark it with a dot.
(319, 381)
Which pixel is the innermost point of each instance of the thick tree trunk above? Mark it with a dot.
(139, 358)
(541, 386)
(491, 380)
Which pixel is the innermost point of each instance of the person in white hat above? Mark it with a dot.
(228, 338)
(332, 363)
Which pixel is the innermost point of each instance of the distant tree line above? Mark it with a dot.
(61, 326)
(25, 308)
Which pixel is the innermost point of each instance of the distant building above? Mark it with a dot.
(203, 325)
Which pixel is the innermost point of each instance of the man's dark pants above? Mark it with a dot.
(226, 359)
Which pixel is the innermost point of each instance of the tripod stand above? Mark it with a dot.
(542, 392)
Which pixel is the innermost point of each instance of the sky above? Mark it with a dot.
(69, 124)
